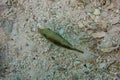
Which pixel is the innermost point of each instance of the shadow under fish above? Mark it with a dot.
(57, 39)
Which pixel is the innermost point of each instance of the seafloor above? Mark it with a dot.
(92, 26)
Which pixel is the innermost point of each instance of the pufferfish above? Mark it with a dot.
(57, 39)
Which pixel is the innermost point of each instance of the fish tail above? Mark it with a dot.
(77, 50)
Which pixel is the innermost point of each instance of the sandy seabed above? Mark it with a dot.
(92, 26)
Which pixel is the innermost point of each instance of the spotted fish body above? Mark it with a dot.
(56, 39)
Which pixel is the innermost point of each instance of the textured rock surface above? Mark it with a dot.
(111, 40)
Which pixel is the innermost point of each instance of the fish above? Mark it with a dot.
(57, 39)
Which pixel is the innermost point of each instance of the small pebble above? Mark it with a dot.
(92, 25)
(102, 65)
(80, 24)
(53, 58)
(61, 31)
(118, 75)
(33, 29)
(98, 34)
(118, 11)
(96, 12)
(40, 26)
(7, 26)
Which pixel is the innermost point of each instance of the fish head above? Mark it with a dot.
(40, 30)
(44, 31)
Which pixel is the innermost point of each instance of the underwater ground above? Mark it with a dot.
(92, 26)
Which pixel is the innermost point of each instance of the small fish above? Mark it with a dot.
(57, 39)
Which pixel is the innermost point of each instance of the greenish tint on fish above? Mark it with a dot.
(57, 39)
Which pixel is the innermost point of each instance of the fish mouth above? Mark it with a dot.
(40, 30)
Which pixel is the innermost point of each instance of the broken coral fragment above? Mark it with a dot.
(111, 40)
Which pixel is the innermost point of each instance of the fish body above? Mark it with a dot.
(56, 39)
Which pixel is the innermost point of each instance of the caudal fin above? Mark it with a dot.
(77, 50)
